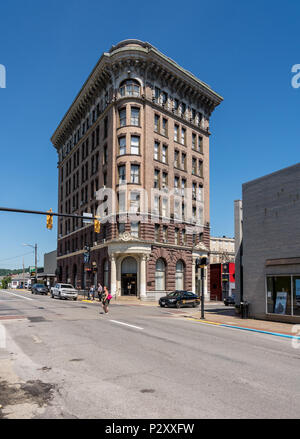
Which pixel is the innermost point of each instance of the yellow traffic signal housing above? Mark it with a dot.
(96, 226)
(49, 220)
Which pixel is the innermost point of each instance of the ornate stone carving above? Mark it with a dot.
(201, 246)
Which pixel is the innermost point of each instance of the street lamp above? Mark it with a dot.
(35, 257)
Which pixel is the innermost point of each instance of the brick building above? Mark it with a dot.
(140, 127)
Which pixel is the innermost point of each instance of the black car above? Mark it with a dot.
(39, 289)
(179, 299)
(229, 301)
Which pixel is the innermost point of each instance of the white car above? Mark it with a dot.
(64, 291)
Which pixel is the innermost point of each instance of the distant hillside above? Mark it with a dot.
(7, 272)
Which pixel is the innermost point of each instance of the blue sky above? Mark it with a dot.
(243, 50)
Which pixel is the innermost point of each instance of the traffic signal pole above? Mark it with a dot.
(39, 212)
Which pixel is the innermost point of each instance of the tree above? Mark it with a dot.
(5, 281)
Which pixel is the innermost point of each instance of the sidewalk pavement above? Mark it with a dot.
(231, 319)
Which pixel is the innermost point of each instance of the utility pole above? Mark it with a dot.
(23, 274)
(35, 260)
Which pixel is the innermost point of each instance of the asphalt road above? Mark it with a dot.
(65, 359)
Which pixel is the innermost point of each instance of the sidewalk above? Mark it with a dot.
(231, 319)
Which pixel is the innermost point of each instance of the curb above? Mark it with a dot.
(277, 334)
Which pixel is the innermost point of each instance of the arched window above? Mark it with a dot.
(179, 276)
(160, 275)
(130, 87)
(105, 273)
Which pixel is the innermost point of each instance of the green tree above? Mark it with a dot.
(5, 281)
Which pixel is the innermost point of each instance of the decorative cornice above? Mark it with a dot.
(150, 63)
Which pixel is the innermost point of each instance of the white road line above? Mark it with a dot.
(17, 295)
(126, 324)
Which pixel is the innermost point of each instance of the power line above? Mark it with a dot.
(15, 257)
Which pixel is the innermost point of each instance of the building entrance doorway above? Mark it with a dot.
(129, 277)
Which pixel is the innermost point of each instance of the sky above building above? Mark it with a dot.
(244, 50)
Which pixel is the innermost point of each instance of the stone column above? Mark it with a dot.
(113, 275)
(143, 277)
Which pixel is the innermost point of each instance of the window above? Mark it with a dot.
(134, 202)
(130, 87)
(156, 179)
(160, 275)
(183, 136)
(164, 179)
(164, 130)
(200, 168)
(156, 204)
(157, 232)
(164, 207)
(135, 116)
(122, 117)
(121, 228)
(165, 233)
(165, 154)
(134, 229)
(164, 98)
(200, 144)
(176, 132)
(179, 276)
(194, 166)
(156, 150)
(157, 95)
(279, 298)
(135, 174)
(176, 183)
(135, 145)
(200, 193)
(176, 156)
(156, 123)
(194, 188)
(194, 141)
(122, 145)
(122, 174)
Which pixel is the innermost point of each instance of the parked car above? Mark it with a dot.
(39, 289)
(179, 299)
(229, 301)
(64, 291)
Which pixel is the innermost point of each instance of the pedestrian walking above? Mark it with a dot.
(92, 292)
(105, 299)
(100, 290)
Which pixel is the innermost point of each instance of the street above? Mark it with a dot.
(67, 359)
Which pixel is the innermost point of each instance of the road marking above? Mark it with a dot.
(17, 295)
(126, 324)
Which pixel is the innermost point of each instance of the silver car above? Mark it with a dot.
(64, 291)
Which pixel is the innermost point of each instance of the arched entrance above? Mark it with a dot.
(129, 277)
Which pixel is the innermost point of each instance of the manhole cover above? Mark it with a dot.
(147, 391)
(37, 319)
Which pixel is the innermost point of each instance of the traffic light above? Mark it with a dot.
(49, 220)
(96, 226)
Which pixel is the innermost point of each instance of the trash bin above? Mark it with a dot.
(244, 310)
